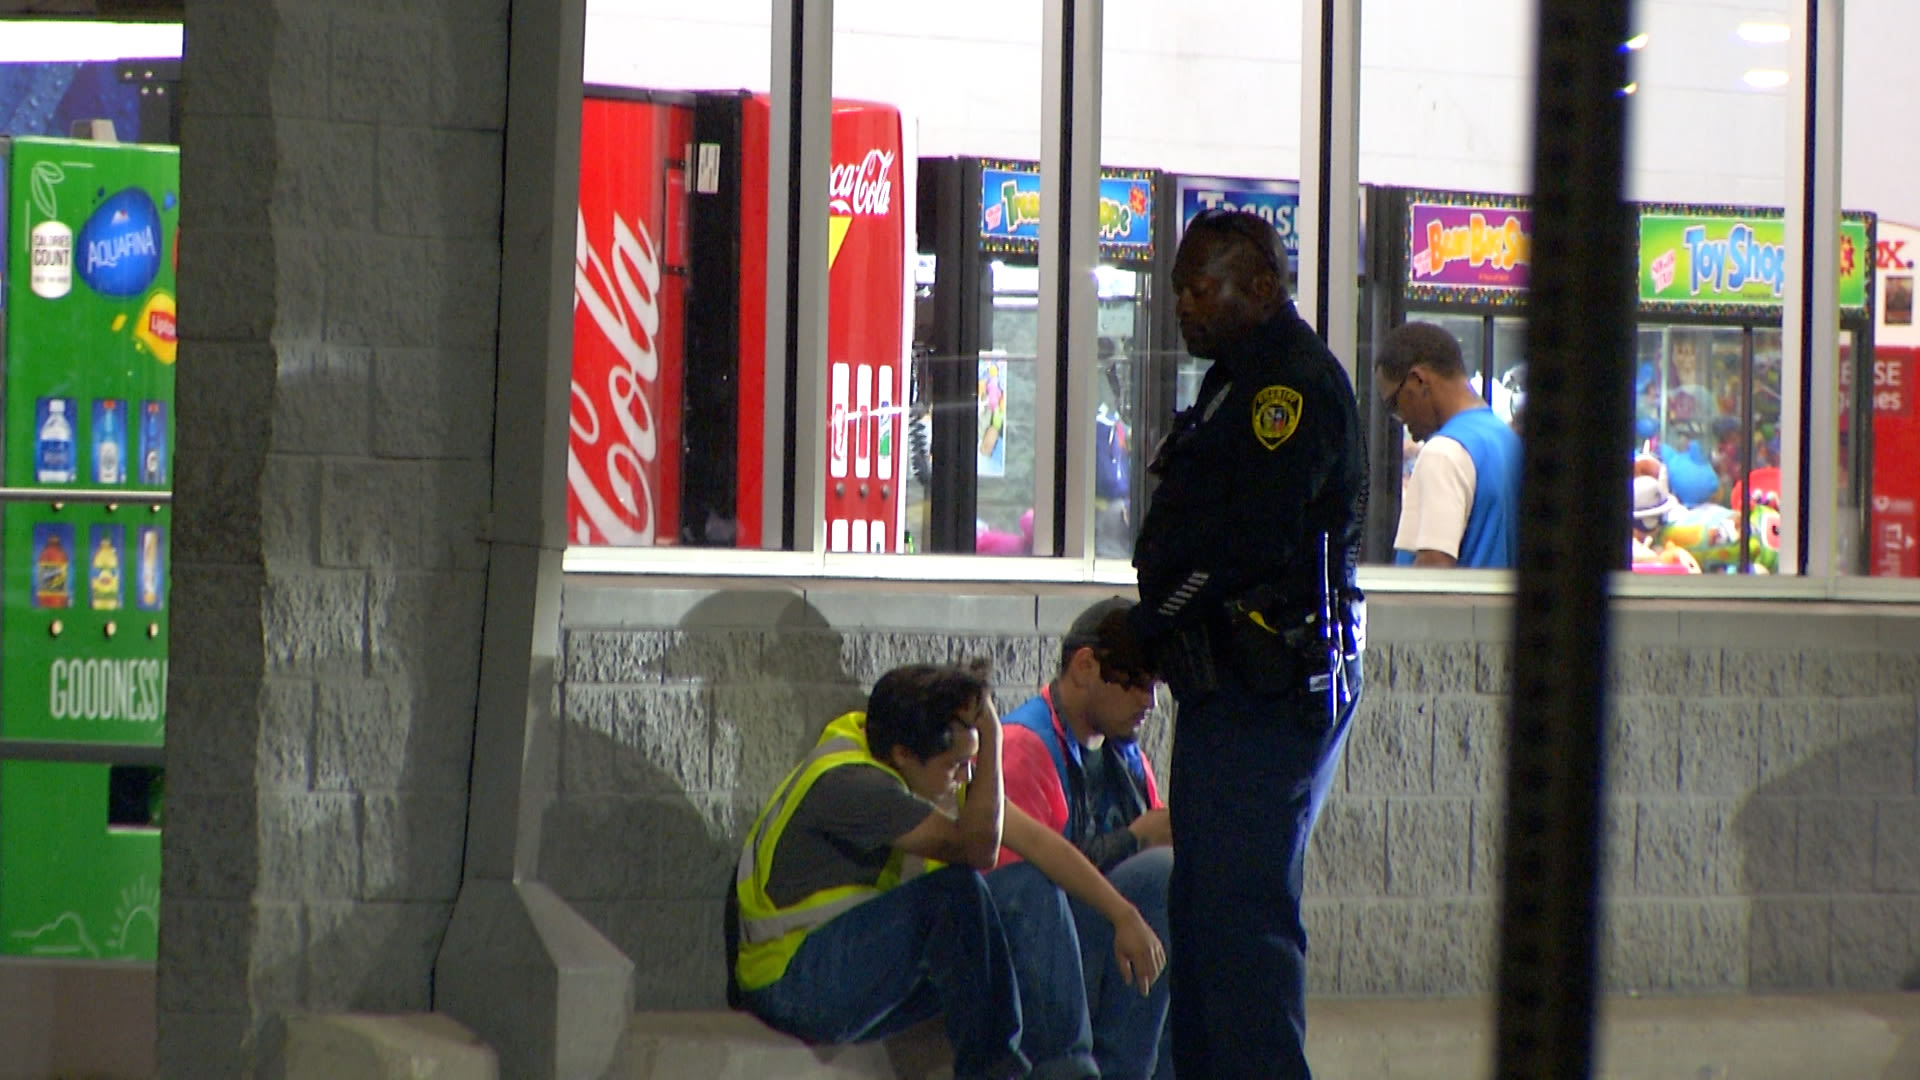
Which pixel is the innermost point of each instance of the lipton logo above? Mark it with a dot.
(866, 188)
(119, 246)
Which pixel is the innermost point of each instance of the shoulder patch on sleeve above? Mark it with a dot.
(1276, 413)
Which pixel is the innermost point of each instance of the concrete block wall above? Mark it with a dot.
(341, 207)
(1761, 830)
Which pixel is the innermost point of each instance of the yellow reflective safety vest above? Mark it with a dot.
(770, 935)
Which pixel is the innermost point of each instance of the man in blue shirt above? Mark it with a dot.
(1072, 762)
(1461, 506)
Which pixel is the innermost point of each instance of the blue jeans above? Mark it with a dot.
(1250, 774)
(1129, 1030)
(996, 954)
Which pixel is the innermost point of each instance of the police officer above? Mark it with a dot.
(1247, 599)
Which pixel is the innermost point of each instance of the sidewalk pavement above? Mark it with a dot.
(1722, 1037)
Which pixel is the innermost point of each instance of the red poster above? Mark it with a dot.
(1895, 551)
(623, 469)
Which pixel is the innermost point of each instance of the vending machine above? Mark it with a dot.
(88, 339)
(668, 430)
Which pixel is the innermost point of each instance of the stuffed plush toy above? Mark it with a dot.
(1689, 473)
(991, 541)
(1711, 534)
(1653, 503)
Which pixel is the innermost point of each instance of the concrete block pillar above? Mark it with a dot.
(343, 197)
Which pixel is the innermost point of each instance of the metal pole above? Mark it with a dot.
(1329, 217)
(1574, 514)
(799, 157)
(1069, 250)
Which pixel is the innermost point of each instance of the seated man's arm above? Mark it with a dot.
(1139, 950)
(973, 837)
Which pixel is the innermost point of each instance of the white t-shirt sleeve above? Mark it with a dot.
(1438, 496)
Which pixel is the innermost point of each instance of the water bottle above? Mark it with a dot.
(54, 464)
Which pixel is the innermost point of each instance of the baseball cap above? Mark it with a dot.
(1104, 629)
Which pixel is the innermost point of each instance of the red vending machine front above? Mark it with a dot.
(867, 208)
(866, 376)
(623, 452)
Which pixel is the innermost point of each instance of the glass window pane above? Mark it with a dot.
(968, 376)
(668, 441)
(1185, 154)
(1509, 396)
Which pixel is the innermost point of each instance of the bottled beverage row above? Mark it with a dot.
(59, 443)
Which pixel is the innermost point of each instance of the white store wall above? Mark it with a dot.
(1213, 86)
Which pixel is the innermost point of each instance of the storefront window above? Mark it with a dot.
(930, 422)
(970, 381)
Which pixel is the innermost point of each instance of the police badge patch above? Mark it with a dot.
(1276, 412)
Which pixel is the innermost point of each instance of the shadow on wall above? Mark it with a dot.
(670, 740)
(1829, 853)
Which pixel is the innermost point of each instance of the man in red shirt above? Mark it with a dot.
(1073, 763)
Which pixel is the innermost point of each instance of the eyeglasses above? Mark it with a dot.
(1128, 680)
(1391, 402)
(1247, 226)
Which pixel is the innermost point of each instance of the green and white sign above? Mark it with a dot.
(1706, 260)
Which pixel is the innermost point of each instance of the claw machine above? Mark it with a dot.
(976, 372)
(1709, 354)
(1708, 371)
(89, 339)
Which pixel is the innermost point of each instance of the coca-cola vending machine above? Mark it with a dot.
(668, 441)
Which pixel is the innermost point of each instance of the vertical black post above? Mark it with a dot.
(1386, 279)
(1160, 384)
(1809, 266)
(1323, 228)
(951, 201)
(1574, 515)
(1058, 231)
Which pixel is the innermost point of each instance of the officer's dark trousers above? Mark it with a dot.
(1250, 774)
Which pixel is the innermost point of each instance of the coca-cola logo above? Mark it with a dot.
(863, 189)
(621, 296)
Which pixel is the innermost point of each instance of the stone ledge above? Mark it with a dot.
(1753, 1037)
(735, 1046)
(418, 1046)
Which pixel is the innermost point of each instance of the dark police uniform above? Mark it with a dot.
(1257, 634)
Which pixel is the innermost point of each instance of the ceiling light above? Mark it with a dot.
(1766, 78)
(1630, 89)
(1764, 33)
(1636, 42)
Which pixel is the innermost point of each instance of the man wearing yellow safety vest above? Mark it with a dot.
(851, 930)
